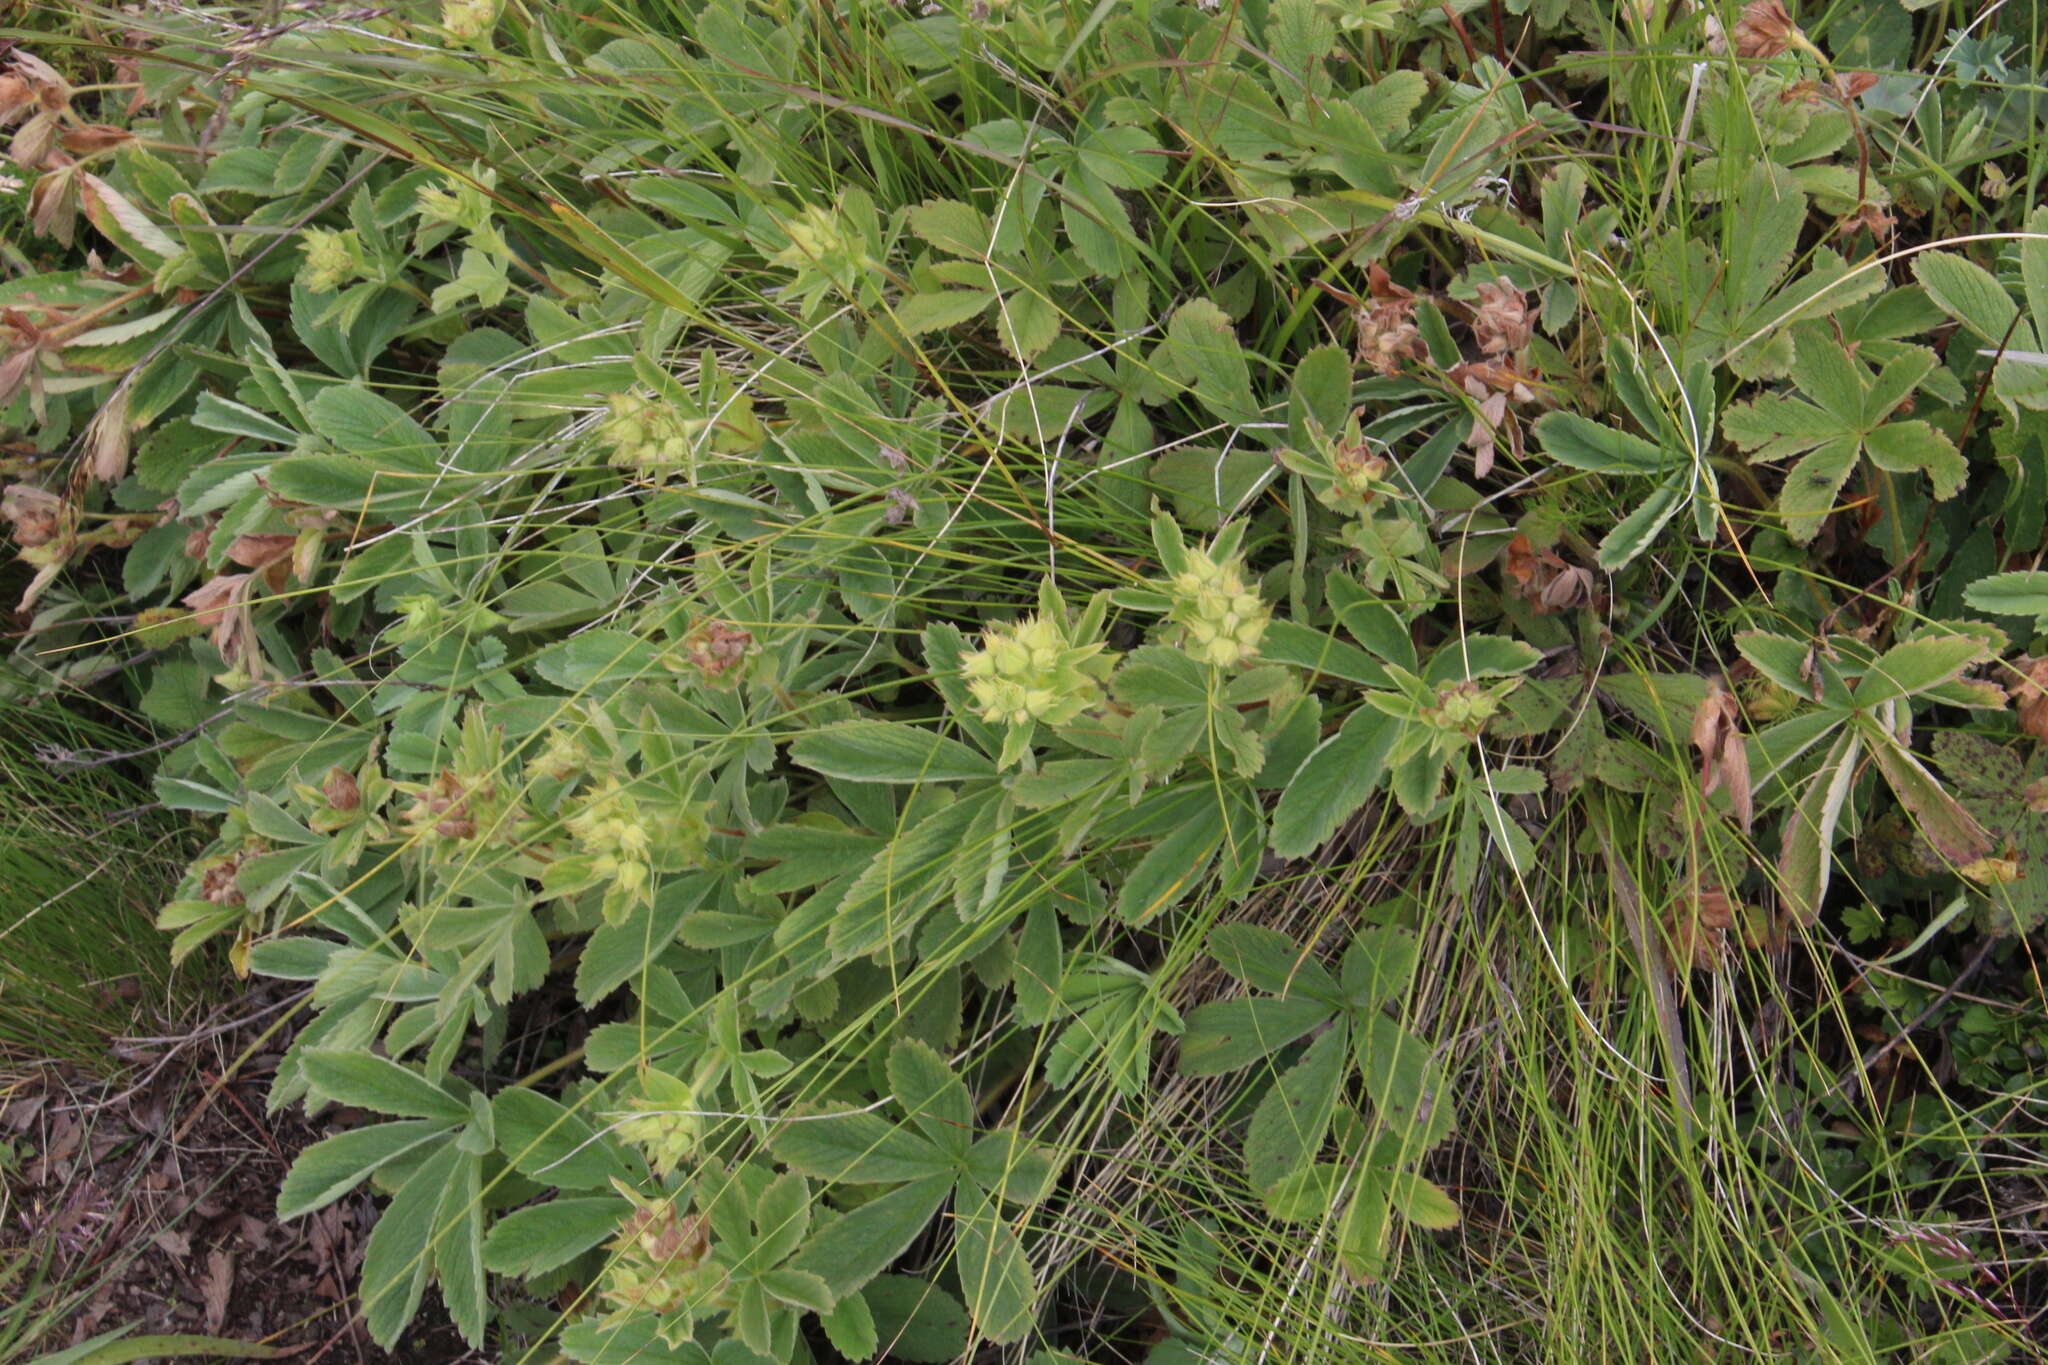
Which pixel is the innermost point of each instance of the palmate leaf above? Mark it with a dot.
(1841, 413)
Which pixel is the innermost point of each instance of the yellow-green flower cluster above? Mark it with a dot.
(612, 831)
(647, 434)
(1031, 671)
(468, 20)
(665, 1126)
(1463, 708)
(330, 259)
(1219, 616)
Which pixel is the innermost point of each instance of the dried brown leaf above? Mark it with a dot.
(216, 1286)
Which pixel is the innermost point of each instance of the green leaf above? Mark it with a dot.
(1378, 966)
(917, 1320)
(1399, 1076)
(1026, 323)
(932, 1095)
(1584, 444)
(1941, 819)
(370, 1082)
(542, 1138)
(1916, 447)
(1780, 658)
(1420, 1202)
(858, 1149)
(533, 1240)
(1288, 642)
(1806, 852)
(1011, 1168)
(396, 1258)
(1225, 1035)
(781, 1218)
(596, 660)
(1288, 1127)
(1204, 345)
(1268, 960)
(880, 751)
(1128, 158)
(1321, 396)
(368, 424)
(1637, 531)
(935, 311)
(850, 1327)
(117, 1348)
(1915, 666)
(2023, 592)
(333, 1166)
(952, 226)
(854, 1248)
(1338, 778)
(1174, 864)
(459, 1250)
(1969, 294)
(1482, 656)
(902, 882)
(995, 1276)
(798, 1289)
(229, 418)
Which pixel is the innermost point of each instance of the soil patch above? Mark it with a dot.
(149, 1201)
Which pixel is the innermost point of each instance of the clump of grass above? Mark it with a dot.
(85, 859)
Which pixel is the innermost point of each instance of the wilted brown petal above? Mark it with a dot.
(1386, 325)
(34, 514)
(93, 137)
(1504, 322)
(108, 437)
(2032, 694)
(15, 98)
(1724, 751)
(255, 551)
(1764, 29)
(212, 599)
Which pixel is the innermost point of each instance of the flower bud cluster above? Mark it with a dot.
(469, 20)
(1031, 671)
(647, 434)
(658, 1265)
(1219, 616)
(330, 259)
(1463, 708)
(612, 831)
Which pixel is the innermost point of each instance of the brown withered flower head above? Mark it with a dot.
(1764, 30)
(717, 649)
(1504, 322)
(341, 790)
(1386, 324)
(34, 515)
